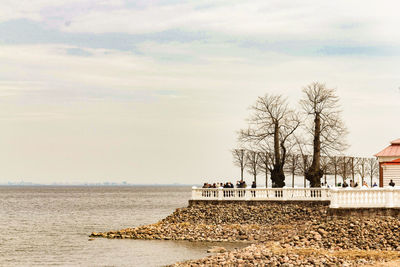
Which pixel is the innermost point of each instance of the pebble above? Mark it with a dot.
(300, 234)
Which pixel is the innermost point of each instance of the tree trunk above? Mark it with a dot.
(335, 172)
(314, 173)
(293, 179)
(241, 173)
(294, 162)
(344, 169)
(305, 169)
(278, 176)
(266, 169)
(277, 151)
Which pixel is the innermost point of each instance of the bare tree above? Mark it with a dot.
(353, 166)
(252, 163)
(239, 159)
(325, 167)
(344, 167)
(264, 164)
(293, 162)
(373, 168)
(274, 123)
(362, 168)
(335, 167)
(304, 156)
(325, 126)
(303, 164)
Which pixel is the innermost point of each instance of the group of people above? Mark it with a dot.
(364, 184)
(218, 185)
(242, 184)
(352, 184)
(239, 184)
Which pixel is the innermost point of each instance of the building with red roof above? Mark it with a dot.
(389, 164)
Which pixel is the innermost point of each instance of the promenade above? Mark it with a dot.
(387, 197)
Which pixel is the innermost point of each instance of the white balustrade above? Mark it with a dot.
(338, 197)
(284, 194)
(365, 198)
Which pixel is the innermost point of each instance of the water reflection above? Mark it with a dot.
(50, 226)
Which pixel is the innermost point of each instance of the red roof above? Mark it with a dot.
(395, 142)
(391, 151)
(393, 162)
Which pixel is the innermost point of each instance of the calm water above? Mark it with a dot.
(42, 226)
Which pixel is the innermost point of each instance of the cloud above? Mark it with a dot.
(48, 73)
(23, 31)
(49, 10)
(313, 28)
(78, 52)
(44, 74)
(275, 20)
(131, 85)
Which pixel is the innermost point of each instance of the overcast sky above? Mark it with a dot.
(155, 91)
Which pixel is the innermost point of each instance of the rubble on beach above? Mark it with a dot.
(289, 234)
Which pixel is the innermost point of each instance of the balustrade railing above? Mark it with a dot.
(339, 198)
(321, 194)
(365, 198)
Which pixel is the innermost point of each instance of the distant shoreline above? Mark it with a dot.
(96, 185)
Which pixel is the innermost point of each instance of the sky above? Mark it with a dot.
(156, 91)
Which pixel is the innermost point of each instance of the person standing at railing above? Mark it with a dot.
(392, 184)
(238, 184)
(205, 185)
(231, 192)
(225, 186)
(253, 192)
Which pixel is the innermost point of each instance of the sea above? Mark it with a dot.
(50, 226)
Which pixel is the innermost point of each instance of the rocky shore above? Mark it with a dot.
(272, 254)
(290, 234)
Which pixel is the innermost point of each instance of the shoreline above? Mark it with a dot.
(292, 234)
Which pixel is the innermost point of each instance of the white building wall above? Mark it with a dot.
(391, 172)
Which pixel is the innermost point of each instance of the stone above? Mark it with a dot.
(216, 249)
(290, 226)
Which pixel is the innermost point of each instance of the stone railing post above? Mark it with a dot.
(247, 194)
(284, 193)
(194, 192)
(389, 198)
(220, 193)
(334, 198)
(325, 194)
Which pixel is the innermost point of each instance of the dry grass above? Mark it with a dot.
(375, 255)
(283, 227)
(394, 263)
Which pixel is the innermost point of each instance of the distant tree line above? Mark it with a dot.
(281, 140)
(340, 167)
